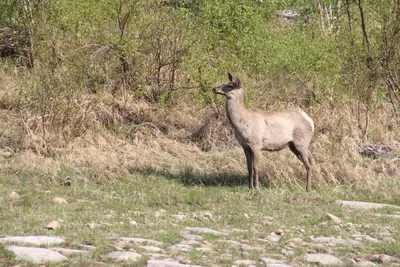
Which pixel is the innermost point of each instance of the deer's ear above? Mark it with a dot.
(230, 77)
(238, 83)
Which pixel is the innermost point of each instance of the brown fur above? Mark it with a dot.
(258, 130)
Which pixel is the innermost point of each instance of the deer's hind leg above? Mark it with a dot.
(304, 156)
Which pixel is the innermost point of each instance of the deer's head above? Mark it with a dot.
(230, 89)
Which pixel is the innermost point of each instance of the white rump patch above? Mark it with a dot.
(308, 119)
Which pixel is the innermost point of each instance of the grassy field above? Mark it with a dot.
(159, 205)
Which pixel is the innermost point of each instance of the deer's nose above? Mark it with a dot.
(214, 91)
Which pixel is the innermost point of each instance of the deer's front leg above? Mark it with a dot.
(256, 159)
(249, 159)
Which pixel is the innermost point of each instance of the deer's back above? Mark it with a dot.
(272, 130)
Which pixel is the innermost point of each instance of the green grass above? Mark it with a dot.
(152, 201)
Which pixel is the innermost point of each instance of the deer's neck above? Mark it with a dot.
(236, 110)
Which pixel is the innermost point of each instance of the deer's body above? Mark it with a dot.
(258, 130)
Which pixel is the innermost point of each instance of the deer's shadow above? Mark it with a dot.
(191, 178)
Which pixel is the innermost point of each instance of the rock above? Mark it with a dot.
(270, 261)
(334, 218)
(279, 232)
(273, 237)
(124, 255)
(204, 230)
(334, 240)
(152, 249)
(133, 223)
(167, 263)
(35, 240)
(202, 249)
(389, 240)
(68, 252)
(60, 200)
(190, 242)
(141, 241)
(160, 213)
(93, 225)
(192, 237)
(289, 14)
(364, 205)
(245, 262)
(365, 237)
(395, 215)
(277, 265)
(53, 225)
(181, 247)
(14, 195)
(364, 264)
(383, 258)
(323, 259)
(36, 255)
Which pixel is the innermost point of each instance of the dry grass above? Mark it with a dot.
(105, 136)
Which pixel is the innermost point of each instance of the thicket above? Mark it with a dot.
(73, 67)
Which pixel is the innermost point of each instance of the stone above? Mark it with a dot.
(35, 240)
(204, 230)
(93, 225)
(68, 252)
(365, 264)
(334, 240)
(167, 263)
(270, 260)
(53, 225)
(192, 237)
(279, 232)
(204, 249)
(383, 258)
(323, 259)
(160, 213)
(273, 238)
(245, 262)
(181, 247)
(152, 249)
(141, 240)
(36, 255)
(124, 255)
(395, 215)
(364, 205)
(365, 237)
(60, 200)
(334, 218)
(278, 265)
(14, 195)
(133, 223)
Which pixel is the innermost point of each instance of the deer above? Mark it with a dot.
(258, 130)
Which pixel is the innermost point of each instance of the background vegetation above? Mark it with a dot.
(100, 89)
